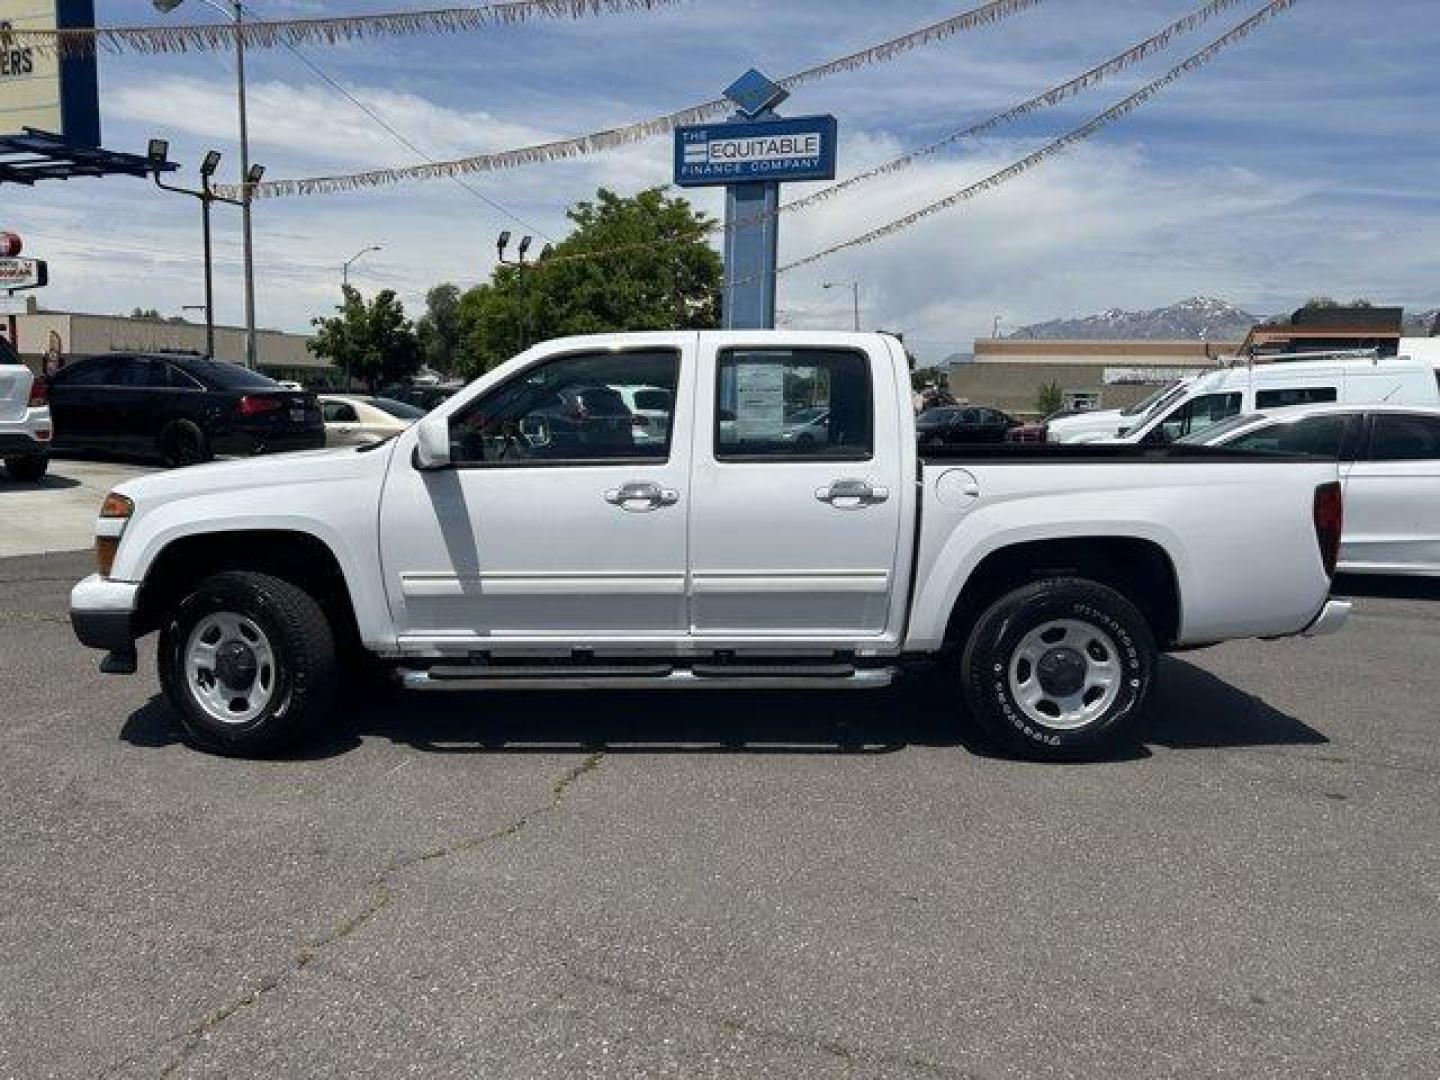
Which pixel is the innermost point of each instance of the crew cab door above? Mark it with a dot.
(554, 520)
(1392, 495)
(794, 528)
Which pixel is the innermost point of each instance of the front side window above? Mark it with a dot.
(1298, 395)
(793, 403)
(1195, 416)
(571, 410)
(1322, 436)
(1398, 437)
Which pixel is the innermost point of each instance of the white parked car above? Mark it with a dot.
(1098, 424)
(25, 428)
(1389, 463)
(1211, 398)
(512, 540)
(358, 420)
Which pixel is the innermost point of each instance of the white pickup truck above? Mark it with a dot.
(528, 535)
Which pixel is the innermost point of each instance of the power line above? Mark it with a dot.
(405, 142)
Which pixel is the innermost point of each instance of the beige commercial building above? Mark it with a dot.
(1011, 373)
(46, 339)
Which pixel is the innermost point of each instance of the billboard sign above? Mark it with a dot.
(39, 89)
(797, 148)
(23, 273)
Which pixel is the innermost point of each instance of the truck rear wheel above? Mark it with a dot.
(1060, 669)
(248, 661)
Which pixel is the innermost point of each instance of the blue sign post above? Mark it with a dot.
(750, 155)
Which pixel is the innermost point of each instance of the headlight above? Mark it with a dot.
(115, 512)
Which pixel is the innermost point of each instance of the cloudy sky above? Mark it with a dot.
(1300, 162)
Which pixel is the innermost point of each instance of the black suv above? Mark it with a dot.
(184, 407)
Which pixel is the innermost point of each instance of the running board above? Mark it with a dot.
(648, 677)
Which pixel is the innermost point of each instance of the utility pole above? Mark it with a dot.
(854, 287)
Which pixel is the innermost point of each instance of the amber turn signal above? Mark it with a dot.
(105, 548)
(116, 506)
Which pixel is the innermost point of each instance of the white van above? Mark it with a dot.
(1424, 349)
(1267, 387)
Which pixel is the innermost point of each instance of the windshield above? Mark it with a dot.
(397, 409)
(223, 375)
(1149, 402)
(1216, 432)
(1163, 402)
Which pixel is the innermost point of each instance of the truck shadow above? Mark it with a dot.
(1191, 710)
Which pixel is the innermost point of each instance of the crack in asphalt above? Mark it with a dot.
(831, 1048)
(34, 616)
(381, 893)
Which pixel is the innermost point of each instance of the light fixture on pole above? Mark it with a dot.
(158, 154)
(854, 287)
(345, 267)
(236, 13)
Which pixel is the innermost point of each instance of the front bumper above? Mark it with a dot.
(1331, 618)
(102, 613)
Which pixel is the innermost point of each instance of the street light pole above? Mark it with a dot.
(854, 287)
(247, 196)
(248, 180)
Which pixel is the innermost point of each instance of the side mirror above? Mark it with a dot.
(432, 447)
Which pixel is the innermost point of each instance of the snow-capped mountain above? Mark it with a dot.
(1201, 318)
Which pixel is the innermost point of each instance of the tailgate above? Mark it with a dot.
(14, 391)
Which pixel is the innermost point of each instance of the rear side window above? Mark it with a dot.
(1322, 436)
(339, 412)
(1398, 437)
(757, 389)
(1295, 395)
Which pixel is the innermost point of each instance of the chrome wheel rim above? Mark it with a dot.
(230, 667)
(1065, 674)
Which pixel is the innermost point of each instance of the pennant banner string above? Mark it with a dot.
(561, 149)
(317, 30)
(1085, 131)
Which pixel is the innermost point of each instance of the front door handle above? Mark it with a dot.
(640, 497)
(851, 494)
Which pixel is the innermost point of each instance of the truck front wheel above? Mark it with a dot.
(248, 661)
(1060, 669)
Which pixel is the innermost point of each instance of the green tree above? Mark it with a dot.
(1049, 398)
(372, 342)
(440, 330)
(637, 263)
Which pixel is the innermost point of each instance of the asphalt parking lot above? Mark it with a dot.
(685, 885)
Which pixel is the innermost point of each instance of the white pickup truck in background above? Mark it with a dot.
(516, 539)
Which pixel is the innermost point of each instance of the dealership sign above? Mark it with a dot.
(23, 273)
(796, 148)
(39, 89)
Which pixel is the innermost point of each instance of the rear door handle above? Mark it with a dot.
(640, 497)
(850, 494)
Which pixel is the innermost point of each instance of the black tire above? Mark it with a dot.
(29, 468)
(304, 671)
(183, 443)
(995, 642)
